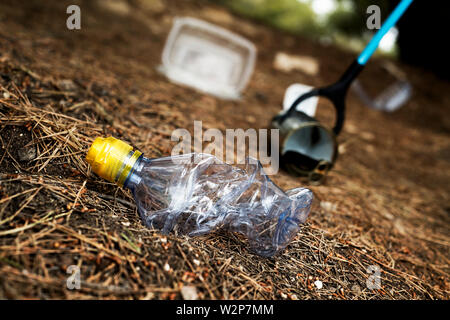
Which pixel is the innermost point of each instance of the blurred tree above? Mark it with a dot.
(423, 36)
(301, 16)
(288, 15)
(422, 30)
(351, 15)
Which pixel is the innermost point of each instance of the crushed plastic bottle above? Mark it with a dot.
(196, 194)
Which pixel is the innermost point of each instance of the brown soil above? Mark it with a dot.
(386, 202)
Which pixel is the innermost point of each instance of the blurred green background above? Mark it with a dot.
(419, 38)
(339, 21)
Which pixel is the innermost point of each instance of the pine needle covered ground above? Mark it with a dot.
(386, 203)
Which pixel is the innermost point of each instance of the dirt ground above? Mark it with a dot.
(386, 202)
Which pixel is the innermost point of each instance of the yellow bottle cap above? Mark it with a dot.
(112, 159)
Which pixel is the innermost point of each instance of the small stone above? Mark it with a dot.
(287, 63)
(120, 7)
(251, 119)
(370, 148)
(196, 262)
(219, 16)
(151, 6)
(351, 128)
(368, 136)
(67, 85)
(189, 293)
(149, 296)
(328, 206)
(356, 289)
(27, 153)
(167, 267)
(318, 284)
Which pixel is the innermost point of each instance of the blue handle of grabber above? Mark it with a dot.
(387, 25)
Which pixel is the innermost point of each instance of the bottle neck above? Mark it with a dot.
(134, 177)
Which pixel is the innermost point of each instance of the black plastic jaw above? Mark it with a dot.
(336, 93)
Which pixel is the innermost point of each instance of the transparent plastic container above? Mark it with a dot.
(196, 194)
(208, 58)
(389, 100)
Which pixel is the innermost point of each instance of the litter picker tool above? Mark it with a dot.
(306, 146)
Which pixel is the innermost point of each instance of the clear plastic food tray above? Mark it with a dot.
(209, 58)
